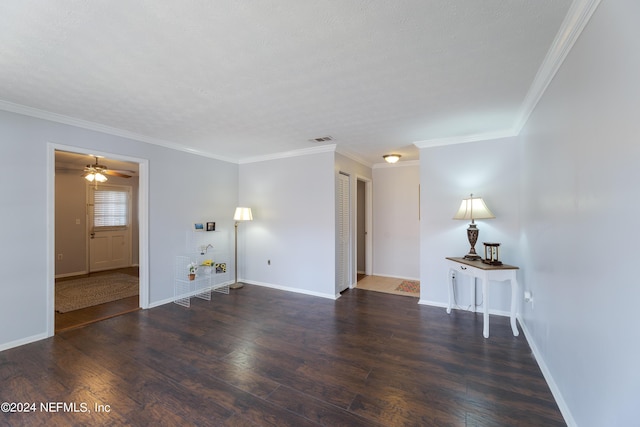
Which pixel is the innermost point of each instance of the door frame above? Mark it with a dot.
(143, 219)
(368, 220)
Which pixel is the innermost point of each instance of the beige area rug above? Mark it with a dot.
(390, 285)
(75, 294)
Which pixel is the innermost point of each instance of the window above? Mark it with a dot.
(110, 208)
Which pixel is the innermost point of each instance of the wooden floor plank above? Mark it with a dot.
(264, 357)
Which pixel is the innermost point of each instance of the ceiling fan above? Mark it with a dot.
(98, 172)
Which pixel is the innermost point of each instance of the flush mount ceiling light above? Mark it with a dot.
(391, 158)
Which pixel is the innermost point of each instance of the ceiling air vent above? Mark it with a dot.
(322, 139)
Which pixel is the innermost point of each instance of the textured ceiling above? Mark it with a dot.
(241, 79)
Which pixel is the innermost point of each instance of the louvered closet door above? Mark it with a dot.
(342, 234)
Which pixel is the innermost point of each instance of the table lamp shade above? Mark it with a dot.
(473, 208)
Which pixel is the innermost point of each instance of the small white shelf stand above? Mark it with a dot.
(207, 280)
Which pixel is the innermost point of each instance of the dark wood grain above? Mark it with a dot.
(263, 357)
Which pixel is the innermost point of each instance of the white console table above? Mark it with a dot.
(486, 273)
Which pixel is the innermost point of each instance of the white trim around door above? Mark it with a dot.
(143, 218)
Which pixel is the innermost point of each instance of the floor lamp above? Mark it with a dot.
(242, 214)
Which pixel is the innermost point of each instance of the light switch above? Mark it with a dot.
(77, 221)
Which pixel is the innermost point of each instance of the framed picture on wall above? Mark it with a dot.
(198, 226)
(211, 226)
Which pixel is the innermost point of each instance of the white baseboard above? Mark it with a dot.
(288, 289)
(23, 341)
(555, 391)
(162, 302)
(557, 395)
(187, 295)
(76, 273)
(393, 276)
(477, 309)
(432, 303)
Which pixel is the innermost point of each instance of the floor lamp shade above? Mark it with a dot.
(241, 214)
(473, 208)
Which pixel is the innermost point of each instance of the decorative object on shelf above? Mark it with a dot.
(193, 267)
(211, 226)
(241, 214)
(207, 264)
(491, 254)
(473, 208)
(221, 267)
(204, 249)
(391, 158)
(198, 226)
(202, 286)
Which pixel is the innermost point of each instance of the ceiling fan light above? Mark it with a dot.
(90, 177)
(100, 177)
(391, 158)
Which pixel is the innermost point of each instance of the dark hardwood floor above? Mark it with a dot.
(260, 356)
(96, 313)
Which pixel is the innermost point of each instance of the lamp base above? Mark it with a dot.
(472, 236)
(236, 285)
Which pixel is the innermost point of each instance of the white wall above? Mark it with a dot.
(293, 205)
(186, 188)
(182, 187)
(488, 169)
(580, 158)
(71, 241)
(396, 224)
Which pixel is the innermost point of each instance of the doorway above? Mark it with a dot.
(76, 249)
(363, 238)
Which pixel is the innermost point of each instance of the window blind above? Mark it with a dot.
(110, 208)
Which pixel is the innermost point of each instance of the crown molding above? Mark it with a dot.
(400, 164)
(575, 21)
(578, 16)
(97, 127)
(287, 154)
(353, 157)
(465, 138)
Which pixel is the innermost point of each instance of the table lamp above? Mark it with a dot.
(473, 208)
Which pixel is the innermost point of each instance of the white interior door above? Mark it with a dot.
(109, 215)
(343, 271)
